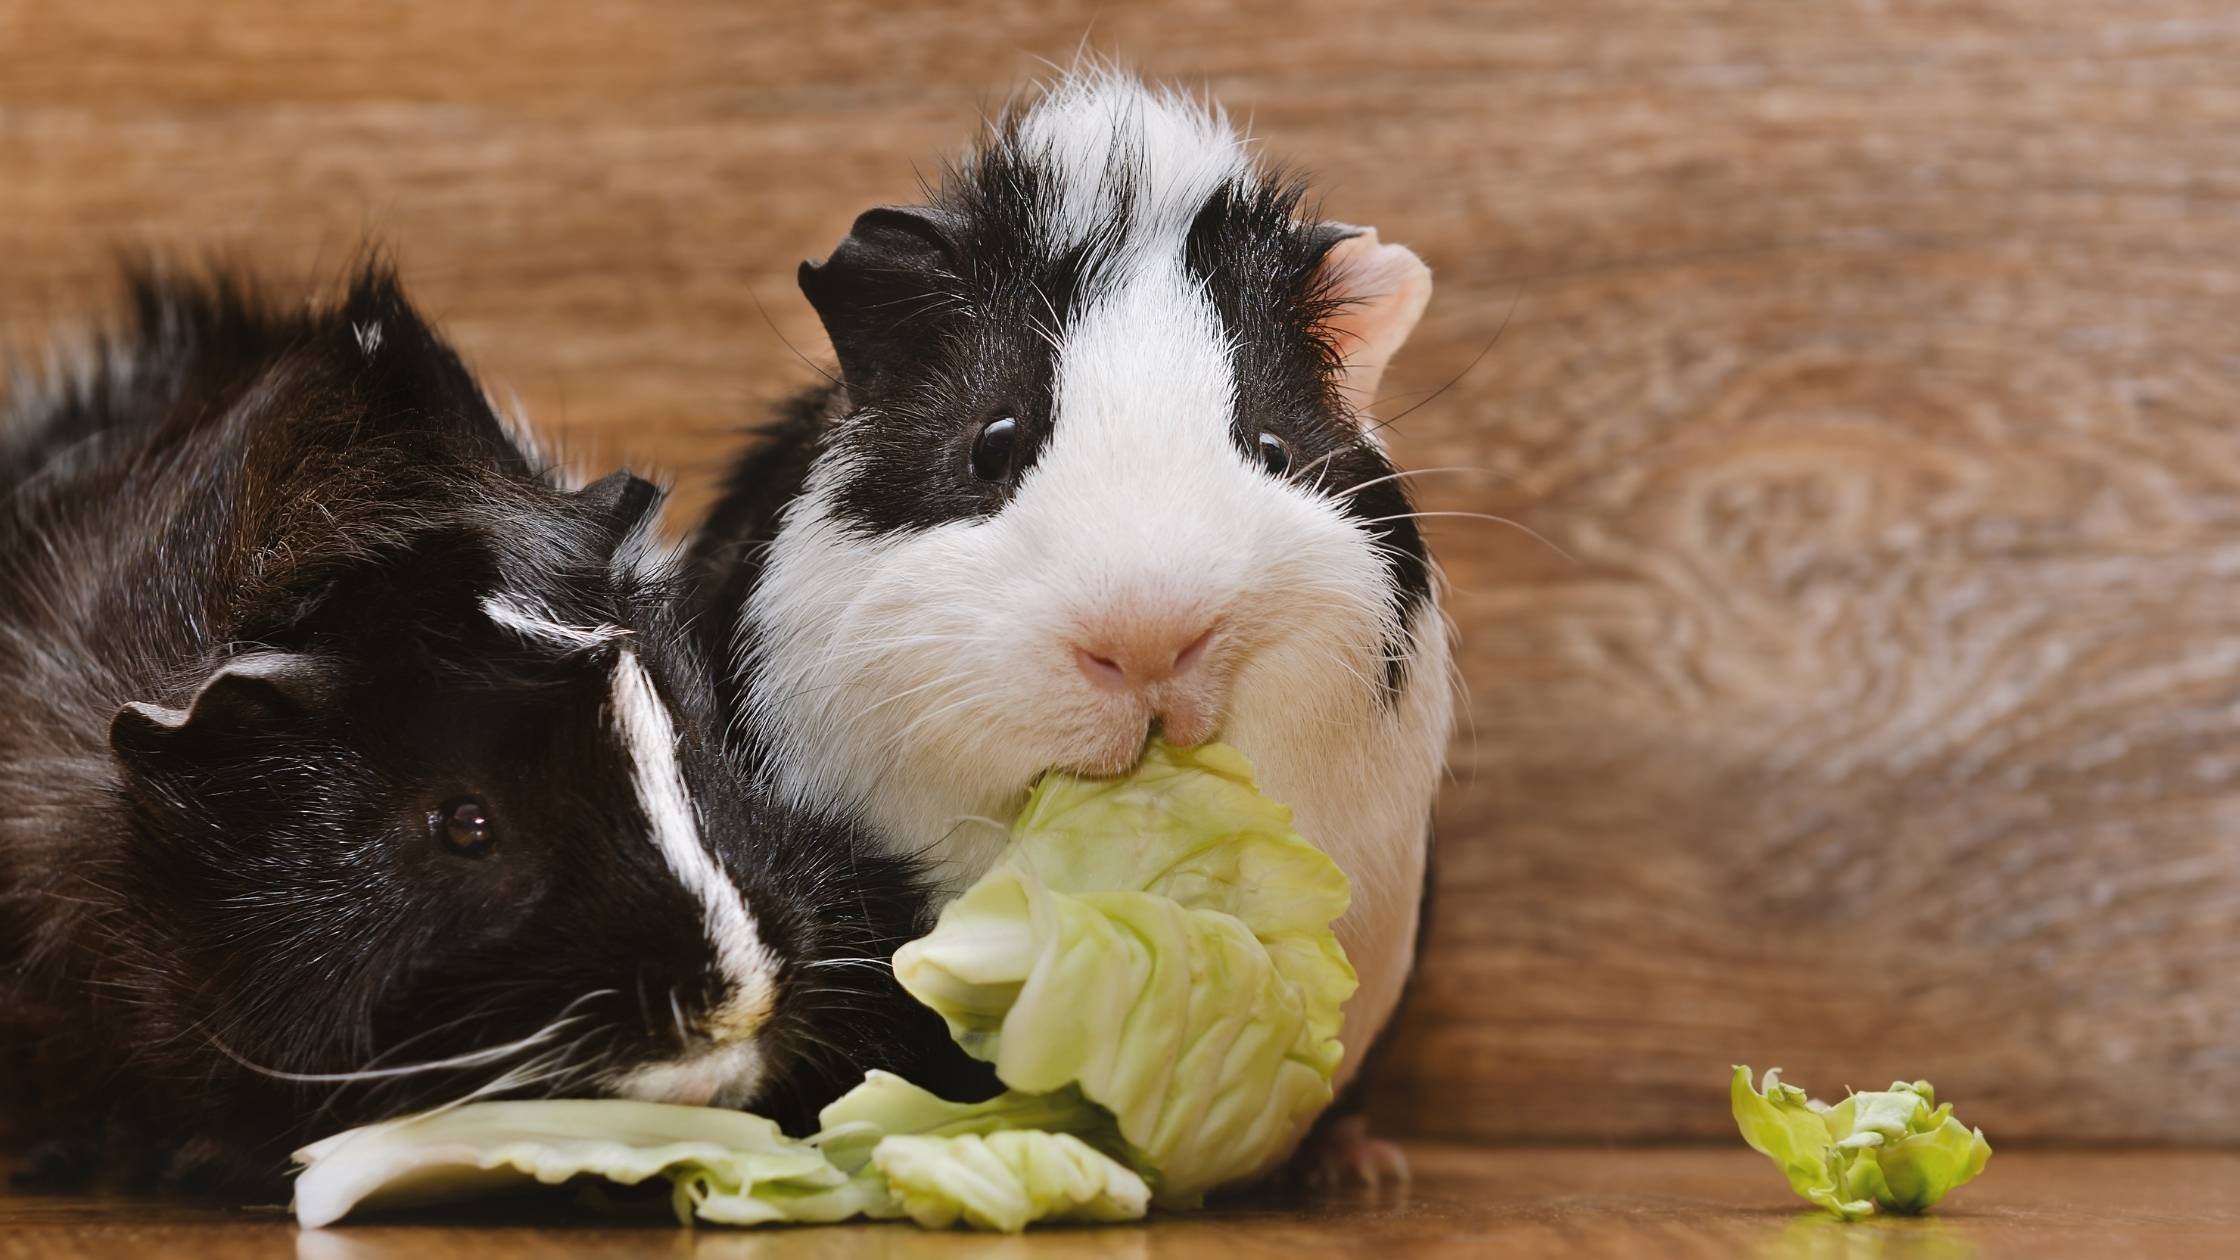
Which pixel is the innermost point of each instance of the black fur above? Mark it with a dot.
(728, 552)
(1259, 258)
(241, 567)
(943, 318)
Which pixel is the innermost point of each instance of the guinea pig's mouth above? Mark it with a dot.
(1106, 761)
(1112, 726)
(719, 1074)
(1118, 754)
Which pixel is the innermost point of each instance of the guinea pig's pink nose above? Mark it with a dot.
(1141, 655)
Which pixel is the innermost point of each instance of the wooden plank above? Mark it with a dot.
(1873, 365)
(1530, 1204)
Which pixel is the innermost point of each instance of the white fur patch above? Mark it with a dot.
(1092, 127)
(643, 721)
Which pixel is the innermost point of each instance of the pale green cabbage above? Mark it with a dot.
(731, 1168)
(886, 1105)
(1894, 1149)
(467, 1151)
(1162, 943)
(1150, 969)
(1007, 1179)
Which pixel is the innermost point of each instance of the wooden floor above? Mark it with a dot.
(1670, 1204)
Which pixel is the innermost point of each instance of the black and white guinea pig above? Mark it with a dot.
(352, 765)
(1100, 459)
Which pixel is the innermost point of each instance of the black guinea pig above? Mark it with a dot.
(351, 765)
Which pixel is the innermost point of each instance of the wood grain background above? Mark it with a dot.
(1875, 367)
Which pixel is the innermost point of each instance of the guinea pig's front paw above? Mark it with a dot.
(1343, 1153)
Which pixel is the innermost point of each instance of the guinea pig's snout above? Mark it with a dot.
(1164, 661)
(1141, 654)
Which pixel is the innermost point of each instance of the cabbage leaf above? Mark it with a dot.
(1895, 1150)
(1181, 899)
(467, 1151)
(1007, 1179)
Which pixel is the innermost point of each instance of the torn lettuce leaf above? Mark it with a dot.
(1181, 899)
(886, 1105)
(1895, 1150)
(1150, 968)
(1007, 1179)
(1001, 1165)
(467, 1151)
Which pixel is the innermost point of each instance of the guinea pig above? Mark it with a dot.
(1099, 460)
(353, 765)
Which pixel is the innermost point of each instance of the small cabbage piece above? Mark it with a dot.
(886, 1105)
(1001, 1164)
(744, 1162)
(1161, 943)
(1006, 1179)
(1895, 1149)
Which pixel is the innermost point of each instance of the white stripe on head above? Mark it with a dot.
(540, 624)
(1128, 152)
(643, 722)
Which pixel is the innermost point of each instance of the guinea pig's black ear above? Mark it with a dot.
(1376, 292)
(897, 265)
(621, 502)
(257, 691)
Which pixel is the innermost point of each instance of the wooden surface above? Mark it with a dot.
(1876, 365)
(1672, 1204)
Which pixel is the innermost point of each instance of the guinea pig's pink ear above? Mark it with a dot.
(895, 268)
(257, 691)
(1378, 292)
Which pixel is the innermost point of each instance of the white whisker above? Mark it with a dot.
(1358, 487)
(1527, 530)
(472, 1058)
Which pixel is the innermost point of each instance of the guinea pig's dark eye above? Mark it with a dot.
(995, 451)
(1275, 456)
(464, 827)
